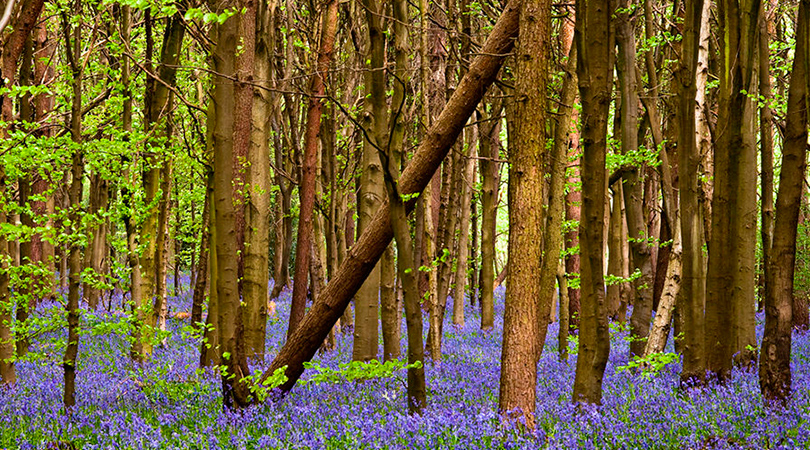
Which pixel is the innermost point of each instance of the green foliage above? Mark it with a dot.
(651, 364)
(261, 388)
(358, 370)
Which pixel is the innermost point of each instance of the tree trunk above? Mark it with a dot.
(489, 135)
(562, 336)
(467, 171)
(367, 251)
(257, 229)
(633, 183)
(552, 236)
(372, 190)
(766, 143)
(306, 189)
(692, 299)
(730, 303)
(158, 98)
(12, 49)
(73, 50)
(232, 100)
(594, 72)
(202, 263)
(526, 178)
(774, 362)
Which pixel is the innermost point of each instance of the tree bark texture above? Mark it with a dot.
(526, 178)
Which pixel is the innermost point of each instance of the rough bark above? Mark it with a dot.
(526, 178)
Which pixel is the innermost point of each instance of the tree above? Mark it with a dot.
(693, 288)
(526, 178)
(372, 188)
(730, 301)
(774, 362)
(307, 187)
(594, 40)
(230, 150)
(12, 47)
(633, 182)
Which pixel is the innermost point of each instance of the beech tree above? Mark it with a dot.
(774, 362)
(594, 41)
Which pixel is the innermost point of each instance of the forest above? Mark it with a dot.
(409, 224)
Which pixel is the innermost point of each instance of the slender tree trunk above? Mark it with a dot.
(467, 171)
(198, 297)
(97, 232)
(774, 362)
(562, 336)
(158, 99)
(73, 49)
(633, 183)
(306, 189)
(209, 350)
(766, 143)
(488, 133)
(552, 235)
(372, 190)
(692, 299)
(615, 260)
(594, 42)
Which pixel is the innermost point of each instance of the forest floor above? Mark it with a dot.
(170, 403)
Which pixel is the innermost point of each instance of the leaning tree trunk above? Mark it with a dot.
(362, 258)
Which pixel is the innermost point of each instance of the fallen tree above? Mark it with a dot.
(361, 259)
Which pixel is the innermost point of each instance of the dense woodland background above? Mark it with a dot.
(641, 164)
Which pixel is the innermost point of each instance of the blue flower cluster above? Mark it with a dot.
(169, 403)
